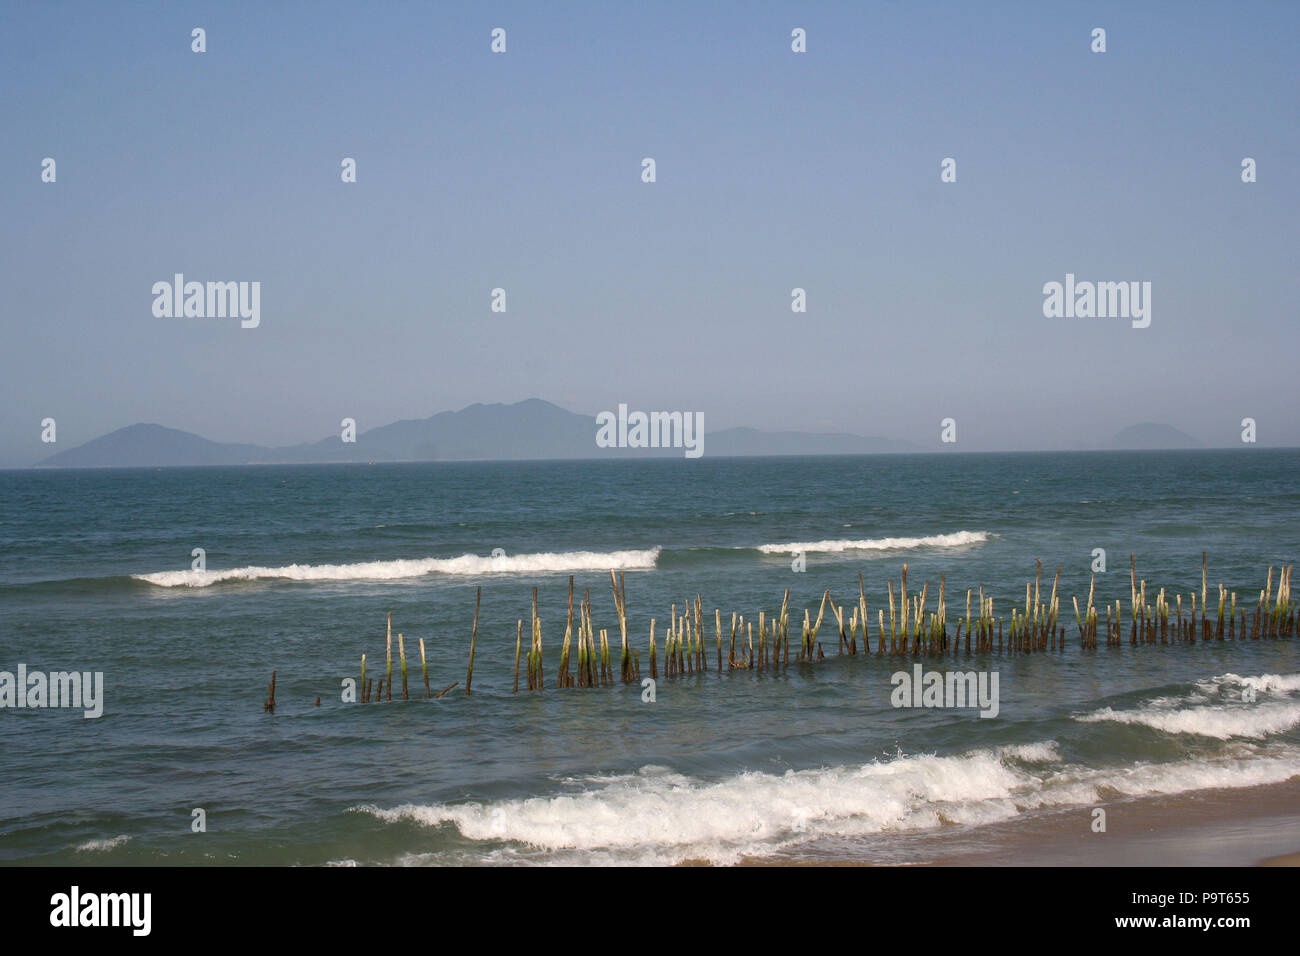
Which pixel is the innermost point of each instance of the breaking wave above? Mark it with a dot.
(657, 816)
(466, 564)
(954, 540)
(1223, 708)
(99, 846)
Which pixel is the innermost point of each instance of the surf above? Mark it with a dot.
(464, 565)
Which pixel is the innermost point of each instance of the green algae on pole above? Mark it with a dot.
(563, 679)
(424, 666)
(620, 605)
(535, 677)
(591, 662)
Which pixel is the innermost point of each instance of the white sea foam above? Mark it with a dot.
(1216, 708)
(1222, 723)
(466, 564)
(657, 816)
(1264, 683)
(97, 846)
(954, 540)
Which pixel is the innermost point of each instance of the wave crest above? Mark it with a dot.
(954, 540)
(1217, 709)
(466, 564)
(100, 846)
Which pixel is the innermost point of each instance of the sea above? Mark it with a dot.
(301, 567)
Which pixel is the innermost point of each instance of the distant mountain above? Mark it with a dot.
(138, 446)
(1151, 435)
(531, 429)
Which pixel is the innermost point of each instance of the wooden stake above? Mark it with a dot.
(473, 639)
(717, 630)
(519, 637)
(562, 679)
(401, 651)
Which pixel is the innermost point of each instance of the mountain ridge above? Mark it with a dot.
(529, 430)
(1152, 436)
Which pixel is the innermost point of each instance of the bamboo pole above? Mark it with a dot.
(905, 607)
(625, 660)
(593, 656)
(519, 637)
(941, 611)
(401, 651)
(731, 652)
(562, 679)
(1205, 559)
(473, 640)
(893, 629)
(862, 613)
(700, 661)
(653, 672)
(785, 625)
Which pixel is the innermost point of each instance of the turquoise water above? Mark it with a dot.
(304, 563)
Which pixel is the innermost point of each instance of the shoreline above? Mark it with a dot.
(1202, 828)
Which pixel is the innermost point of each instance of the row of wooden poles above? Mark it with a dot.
(1272, 615)
(385, 690)
(912, 629)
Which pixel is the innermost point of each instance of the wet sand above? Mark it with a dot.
(1238, 827)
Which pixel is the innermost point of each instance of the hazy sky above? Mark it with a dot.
(775, 170)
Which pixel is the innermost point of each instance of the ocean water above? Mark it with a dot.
(304, 563)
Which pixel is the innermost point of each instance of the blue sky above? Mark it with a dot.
(775, 170)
